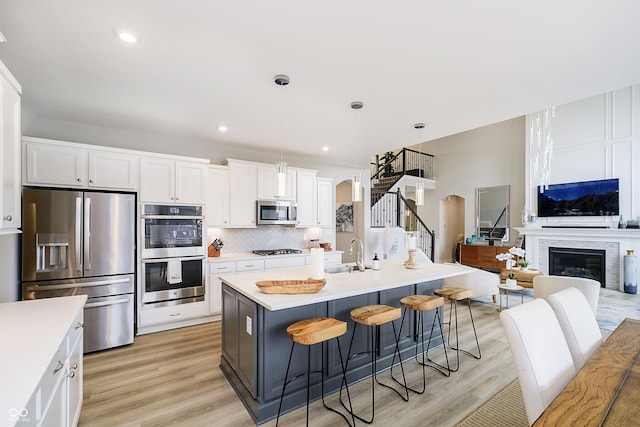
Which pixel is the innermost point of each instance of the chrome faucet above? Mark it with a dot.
(360, 254)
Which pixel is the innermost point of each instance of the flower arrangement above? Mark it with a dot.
(508, 256)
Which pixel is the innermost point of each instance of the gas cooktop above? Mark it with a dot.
(277, 251)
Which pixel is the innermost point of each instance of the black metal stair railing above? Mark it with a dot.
(393, 210)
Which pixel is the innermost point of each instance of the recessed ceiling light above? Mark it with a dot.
(325, 148)
(419, 126)
(222, 128)
(125, 35)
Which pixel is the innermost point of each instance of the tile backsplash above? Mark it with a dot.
(268, 237)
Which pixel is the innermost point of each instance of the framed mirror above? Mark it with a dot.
(492, 213)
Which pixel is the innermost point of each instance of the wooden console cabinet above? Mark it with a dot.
(482, 256)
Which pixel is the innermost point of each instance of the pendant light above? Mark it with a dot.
(281, 166)
(356, 182)
(420, 184)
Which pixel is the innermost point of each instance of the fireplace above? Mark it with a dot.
(575, 262)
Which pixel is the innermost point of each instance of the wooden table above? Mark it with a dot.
(606, 391)
(524, 277)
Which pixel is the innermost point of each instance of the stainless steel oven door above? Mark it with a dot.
(169, 231)
(167, 279)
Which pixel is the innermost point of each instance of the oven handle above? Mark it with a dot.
(171, 217)
(105, 303)
(157, 260)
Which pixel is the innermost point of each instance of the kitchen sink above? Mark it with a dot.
(338, 269)
(342, 269)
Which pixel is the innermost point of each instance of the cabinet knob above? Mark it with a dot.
(8, 218)
(78, 179)
(72, 374)
(79, 325)
(90, 181)
(58, 367)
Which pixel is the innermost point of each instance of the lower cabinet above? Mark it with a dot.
(58, 398)
(239, 337)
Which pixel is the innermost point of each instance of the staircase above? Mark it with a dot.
(391, 208)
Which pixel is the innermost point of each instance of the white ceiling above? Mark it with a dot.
(455, 65)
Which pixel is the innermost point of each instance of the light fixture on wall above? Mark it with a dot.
(420, 184)
(281, 166)
(541, 146)
(356, 182)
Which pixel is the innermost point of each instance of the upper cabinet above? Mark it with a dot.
(243, 193)
(306, 197)
(217, 213)
(10, 193)
(267, 183)
(325, 201)
(63, 164)
(164, 180)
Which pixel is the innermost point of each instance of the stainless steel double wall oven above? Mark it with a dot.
(173, 261)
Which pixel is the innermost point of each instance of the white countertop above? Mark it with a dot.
(30, 333)
(241, 256)
(392, 274)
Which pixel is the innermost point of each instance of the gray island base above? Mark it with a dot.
(255, 346)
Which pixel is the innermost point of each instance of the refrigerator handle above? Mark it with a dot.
(78, 232)
(87, 233)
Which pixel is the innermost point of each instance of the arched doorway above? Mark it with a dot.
(451, 228)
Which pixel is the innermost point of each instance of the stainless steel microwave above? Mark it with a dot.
(283, 212)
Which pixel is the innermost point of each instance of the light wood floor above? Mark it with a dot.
(172, 378)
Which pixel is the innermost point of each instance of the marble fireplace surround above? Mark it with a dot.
(615, 242)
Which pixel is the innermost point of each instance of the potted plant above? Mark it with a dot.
(523, 264)
(511, 281)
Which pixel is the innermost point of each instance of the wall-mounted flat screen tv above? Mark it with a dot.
(588, 198)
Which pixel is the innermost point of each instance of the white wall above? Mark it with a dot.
(595, 138)
(485, 157)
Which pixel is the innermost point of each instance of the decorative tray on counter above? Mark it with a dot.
(309, 286)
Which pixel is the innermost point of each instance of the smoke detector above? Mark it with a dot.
(356, 105)
(419, 126)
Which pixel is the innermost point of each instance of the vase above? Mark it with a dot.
(524, 268)
(511, 283)
(630, 273)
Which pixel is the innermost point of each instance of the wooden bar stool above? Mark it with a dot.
(421, 304)
(309, 332)
(374, 316)
(454, 295)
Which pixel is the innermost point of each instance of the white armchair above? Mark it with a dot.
(483, 283)
(543, 286)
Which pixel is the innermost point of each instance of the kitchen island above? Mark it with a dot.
(255, 346)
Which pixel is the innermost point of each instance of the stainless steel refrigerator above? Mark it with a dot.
(83, 243)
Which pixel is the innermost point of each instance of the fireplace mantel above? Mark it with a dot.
(615, 241)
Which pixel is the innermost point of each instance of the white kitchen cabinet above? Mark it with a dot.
(174, 313)
(64, 164)
(329, 258)
(55, 165)
(57, 399)
(215, 284)
(217, 212)
(10, 184)
(306, 197)
(325, 202)
(243, 192)
(113, 170)
(267, 183)
(164, 180)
